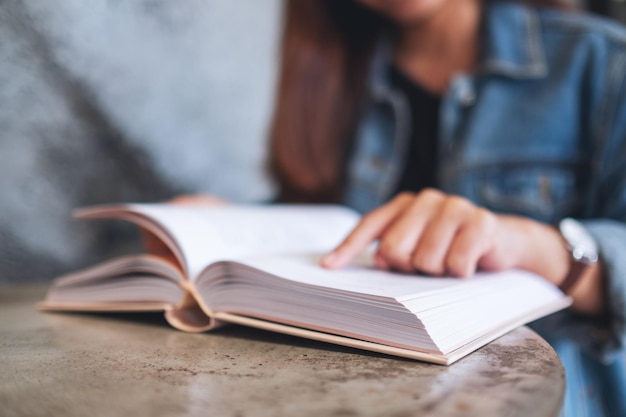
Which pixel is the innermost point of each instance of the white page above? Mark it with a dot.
(360, 277)
(207, 234)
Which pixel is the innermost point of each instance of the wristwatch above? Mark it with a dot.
(582, 248)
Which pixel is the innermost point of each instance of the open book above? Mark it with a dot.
(259, 266)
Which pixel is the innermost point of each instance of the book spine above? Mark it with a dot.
(191, 315)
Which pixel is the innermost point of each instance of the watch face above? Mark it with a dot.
(583, 246)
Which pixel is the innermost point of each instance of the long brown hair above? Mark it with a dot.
(326, 49)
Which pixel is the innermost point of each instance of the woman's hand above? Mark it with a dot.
(436, 234)
(439, 234)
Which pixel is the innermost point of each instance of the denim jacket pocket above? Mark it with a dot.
(546, 193)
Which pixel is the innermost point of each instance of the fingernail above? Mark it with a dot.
(328, 259)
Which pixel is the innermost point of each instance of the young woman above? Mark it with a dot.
(467, 130)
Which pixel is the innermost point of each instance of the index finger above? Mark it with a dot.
(370, 228)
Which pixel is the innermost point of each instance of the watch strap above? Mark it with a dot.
(576, 271)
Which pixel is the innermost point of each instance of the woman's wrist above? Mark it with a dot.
(544, 252)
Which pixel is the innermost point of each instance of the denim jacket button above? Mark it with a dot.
(467, 97)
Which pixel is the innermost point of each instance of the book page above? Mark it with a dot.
(207, 234)
(360, 277)
(419, 293)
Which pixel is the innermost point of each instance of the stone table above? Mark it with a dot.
(60, 364)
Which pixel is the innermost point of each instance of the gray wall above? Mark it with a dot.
(110, 100)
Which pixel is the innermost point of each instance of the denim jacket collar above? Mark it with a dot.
(512, 47)
(513, 42)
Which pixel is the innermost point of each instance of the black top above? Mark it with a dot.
(420, 170)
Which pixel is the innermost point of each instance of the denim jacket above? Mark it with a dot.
(539, 130)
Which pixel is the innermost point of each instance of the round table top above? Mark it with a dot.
(112, 365)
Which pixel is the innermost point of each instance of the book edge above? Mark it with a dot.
(331, 338)
(489, 337)
(133, 213)
(131, 306)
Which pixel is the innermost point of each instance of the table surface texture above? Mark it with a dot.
(66, 364)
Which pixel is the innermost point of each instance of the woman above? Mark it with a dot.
(467, 130)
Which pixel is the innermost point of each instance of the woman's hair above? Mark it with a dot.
(327, 46)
